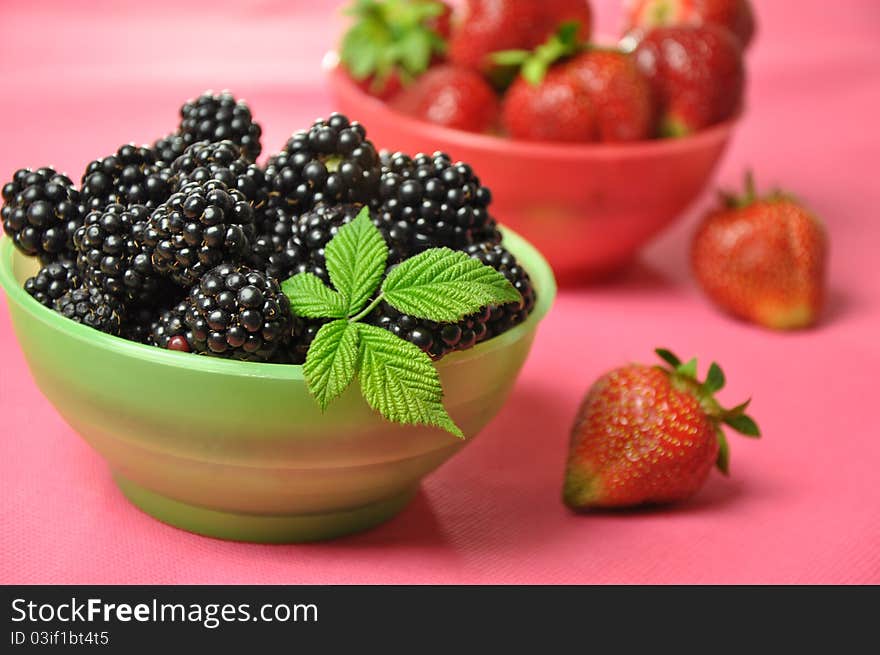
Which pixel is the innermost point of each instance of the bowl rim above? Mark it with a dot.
(510, 147)
(532, 260)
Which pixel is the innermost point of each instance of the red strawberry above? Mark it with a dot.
(697, 75)
(391, 42)
(620, 94)
(481, 27)
(451, 96)
(547, 102)
(649, 434)
(763, 259)
(558, 108)
(735, 15)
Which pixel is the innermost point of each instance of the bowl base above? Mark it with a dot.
(298, 528)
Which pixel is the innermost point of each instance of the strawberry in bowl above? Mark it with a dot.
(590, 150)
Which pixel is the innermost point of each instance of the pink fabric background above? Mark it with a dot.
(802, 505)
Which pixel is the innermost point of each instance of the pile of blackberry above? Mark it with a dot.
(41, 211)
(223, 161)
(428, 201)
(199, 227)
(184, 245)
(219, 117)
(332, 162)
(131, 176)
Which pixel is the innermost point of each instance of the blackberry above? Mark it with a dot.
(239, 313)
(131, 176)
(169, 148)
(199, 227)
(504, 317)
(438, 339)
(428, 201)
(137, 324)
(110, 257)
(90, 306)
(219, 117)
(331, 162)
(52, 281)
(41, 211)
(170, 331)
(304, 250)
(203, 161)
(273, 249)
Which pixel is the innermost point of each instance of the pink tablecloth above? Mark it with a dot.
(801, 505)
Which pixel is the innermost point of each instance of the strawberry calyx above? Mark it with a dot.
(534, 64)
(749, 196)
(391, 36)
(683, 376)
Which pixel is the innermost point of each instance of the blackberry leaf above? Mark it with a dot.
(444, 285)
(331, 363)
(310, 298)
(356, 259)
(399, 381)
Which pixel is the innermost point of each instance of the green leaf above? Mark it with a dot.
(714, 379)
(311, 298)
(668, 357)
(509, 57)
(534, 70)
(723, 459)
(331, 363)
(390, 36)
(688, 369)
(444, 285)
(739, 409)
(744, 425)
(399, 380)
(356, 259)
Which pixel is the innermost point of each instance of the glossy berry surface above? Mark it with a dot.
(223, 161)
(429, 201)
(451, 96)
(331, 162)
(41, 211)
(129, 176)
(622, 99)
(110, 257)
(90, 306)
(765, 262)
(626, 451)
(52, 281)
(239, 313)
(220, 117)
(696, 73)
(170, 326)
(735, 15)
(199, 227)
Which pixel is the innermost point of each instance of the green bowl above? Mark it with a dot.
(241, 450)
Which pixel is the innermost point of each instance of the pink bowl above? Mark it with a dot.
(588, 208)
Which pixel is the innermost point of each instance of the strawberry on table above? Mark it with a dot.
(392, 42)
(481, 27)
(697, 75)
(648, 435)
(763, 259)
(735, 15)
(452, 96)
